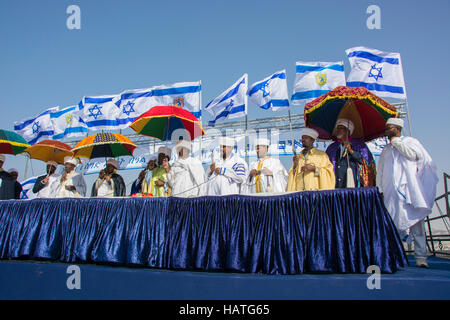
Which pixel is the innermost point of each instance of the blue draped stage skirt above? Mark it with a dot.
(338, 231)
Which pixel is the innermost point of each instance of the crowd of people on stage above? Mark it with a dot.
(405, 175)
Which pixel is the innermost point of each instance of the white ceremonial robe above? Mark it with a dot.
(50, 190)
(406, 175)
(233, 173)
(274, 184)
(73, 179)
(105, 188)
(186, 178)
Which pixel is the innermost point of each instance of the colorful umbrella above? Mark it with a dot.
(50, 150)
(12, 143)
(367, 111)
(161, 121)
(100, 145)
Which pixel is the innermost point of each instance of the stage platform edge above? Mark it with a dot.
(44, 280)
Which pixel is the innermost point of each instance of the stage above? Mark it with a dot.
(337, 231)
(47, 280)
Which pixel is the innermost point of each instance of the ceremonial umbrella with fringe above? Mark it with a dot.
(162, 121)
(12, 143)
(367, 111)
(100, 145)
(50, 150)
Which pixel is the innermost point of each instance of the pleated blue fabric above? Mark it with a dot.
(335, 231)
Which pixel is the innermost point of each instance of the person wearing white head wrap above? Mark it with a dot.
(71, 183)
(407, 180)
(110, 183)
(353, 163)
(228, 172)
(267, 174)
(186, 176)
(311, 169)
(46, 185)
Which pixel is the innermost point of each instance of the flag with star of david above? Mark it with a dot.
(270, 93)
(133, 103)
(99, 112)
(27, 189)
(36, 128)
(379, 72)
(232, 103)
(66, 124)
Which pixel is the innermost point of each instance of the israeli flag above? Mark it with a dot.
(378, 71)
(313, 79)
(133, 103)
(232, 103)
(270, 93)
(36, 128)
(99, 112)
(27, 189)
(66, 124)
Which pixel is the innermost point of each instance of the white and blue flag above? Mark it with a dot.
(66, 124)
(313, 79)
(270, 93)
(378, 71)
(133, 103)
(99, 112)
(232, 103)
(27, 189)
(36, 128)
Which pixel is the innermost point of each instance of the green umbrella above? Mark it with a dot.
(12, 143)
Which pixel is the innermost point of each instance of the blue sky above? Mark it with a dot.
(137, 44)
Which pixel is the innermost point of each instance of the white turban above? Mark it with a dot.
(226, 141)
(53, 163)
(13, 170)
(2, 157)
(310, 133)
(183, 144)
(166, 151)
(114, 163)
(262, 142)
(346, 123)
(396, 122)
(71, 160)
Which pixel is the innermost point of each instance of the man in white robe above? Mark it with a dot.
(228, 173)
(46, 185)
(186, 176)
(71, 183)
(407, 179)
(266, 174)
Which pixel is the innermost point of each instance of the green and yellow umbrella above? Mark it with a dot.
(105, 145)
(12, 143)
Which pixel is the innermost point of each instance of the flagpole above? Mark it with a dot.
(292, 134)
(246, 138)
(26, 166)
(201, 123)
(409, 119)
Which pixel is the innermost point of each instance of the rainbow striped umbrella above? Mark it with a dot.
(367, 111)
(12, 143)
(162, 121)
(100, 145)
